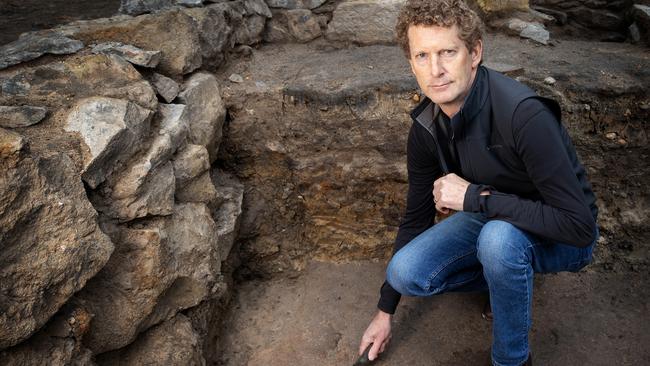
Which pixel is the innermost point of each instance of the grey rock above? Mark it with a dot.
(173, 342)
(635, 34)
(236, 78)
(137, 7)
(22, 116)
(64, 83)
(30, 46)
(536, 32)
(292, 25)
(351, 23)
(160, 266)
(560, 17)
(190, 3)
(257, 7)
(642, 20)
(111, 129)
(250, 31)
(200, 189)
(549, 80)
(130, 53)
(189, 162)
(227, 215)
(206, 112)
(171, 129)
(214, 32)
(295, 4)
(49, 234)
(166, 87)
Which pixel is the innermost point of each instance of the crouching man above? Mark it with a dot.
(494, 154)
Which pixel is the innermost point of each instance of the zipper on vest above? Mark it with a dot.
(443, 163)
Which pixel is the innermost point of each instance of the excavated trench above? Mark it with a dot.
(317, 135)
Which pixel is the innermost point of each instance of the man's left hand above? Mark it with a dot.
(449, 192)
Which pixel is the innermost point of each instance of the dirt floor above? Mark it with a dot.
(585, 318)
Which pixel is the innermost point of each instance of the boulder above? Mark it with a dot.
(49, 238)
(130, 53)
(64, 83)
(32, 45)
(172, 32)
(165, 87)
(172, 343)
(58, 343)
(296, 25)
(189, 162)
(110, 128)
(215, 32)
(200, 189)
(351, 21)
(295, 4)
(21, 116)
(250, 30)
(160, 266)
(205, 111)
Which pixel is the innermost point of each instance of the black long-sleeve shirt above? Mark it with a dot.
(555, 200)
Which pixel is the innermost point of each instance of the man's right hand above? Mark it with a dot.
(377, 333)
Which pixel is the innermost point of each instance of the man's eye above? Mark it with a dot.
(449, 52)
(421, 55)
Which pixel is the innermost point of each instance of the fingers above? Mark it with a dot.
(374, 351)
(364, 344)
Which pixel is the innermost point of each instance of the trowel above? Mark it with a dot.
(363, 359)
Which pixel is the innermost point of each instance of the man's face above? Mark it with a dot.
(442, 64)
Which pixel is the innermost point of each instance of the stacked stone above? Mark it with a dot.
(113, 220)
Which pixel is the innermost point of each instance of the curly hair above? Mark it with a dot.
(442, 13)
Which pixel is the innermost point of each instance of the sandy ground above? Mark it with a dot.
(587, 318)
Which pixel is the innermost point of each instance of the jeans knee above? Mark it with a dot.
(501, 247)
(399, 274)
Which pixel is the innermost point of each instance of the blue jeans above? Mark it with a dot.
(468, 252)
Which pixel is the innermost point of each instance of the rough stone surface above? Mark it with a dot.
(642, 19)
(200, 189)
(351, 21)
(57, 343)
(205, 110)
(33, 45)
(110, 128)
(295, 4)
(179, 54)
(495, 6)
(136, 7)
(250, 31)
(173, 343)
(536, 32)
(51, 244)
(189, 162)
(63, 83)
(160, 266)
(190, 3)
(227, 212)
(292, 25)
(165, 87)
(215, 30)
(130, 53)
(23, 116)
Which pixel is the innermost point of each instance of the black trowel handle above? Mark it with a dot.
(363, 359)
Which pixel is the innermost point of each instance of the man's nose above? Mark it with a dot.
(437, 68)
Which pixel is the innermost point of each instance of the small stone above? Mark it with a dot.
(416, 98)
(132, 54)
(587, 107)
(190, 3)
(635, 34)
(611, 135)
(536, 32)
(236, 78)
(21, 116)
(166, 87)
(549, 81)
(622, 142)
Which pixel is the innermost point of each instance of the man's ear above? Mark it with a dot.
(477, 53)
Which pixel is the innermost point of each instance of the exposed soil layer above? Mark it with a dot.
(586, 318)
(18, 16)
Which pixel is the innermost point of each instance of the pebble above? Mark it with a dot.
(416, 98)
(549, 80)
(611, 135)
(622, 142)
(236, 78)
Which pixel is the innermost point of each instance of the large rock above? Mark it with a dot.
(21, 116)
(172, 343)
(33, 45)
(165, 87)
(58, 343)
(292, 25)
(130, 53)
(110, 128)
(50, 244)
(215, 30)
(642, 19)
(160, 266)
(172, 32)
(352, 22)
(200, 189)
(189, 162)
(205, 111)
(63, 83)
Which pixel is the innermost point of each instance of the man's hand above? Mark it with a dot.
(449, 193)
(378, 333)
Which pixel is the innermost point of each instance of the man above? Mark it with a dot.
(489, 150)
